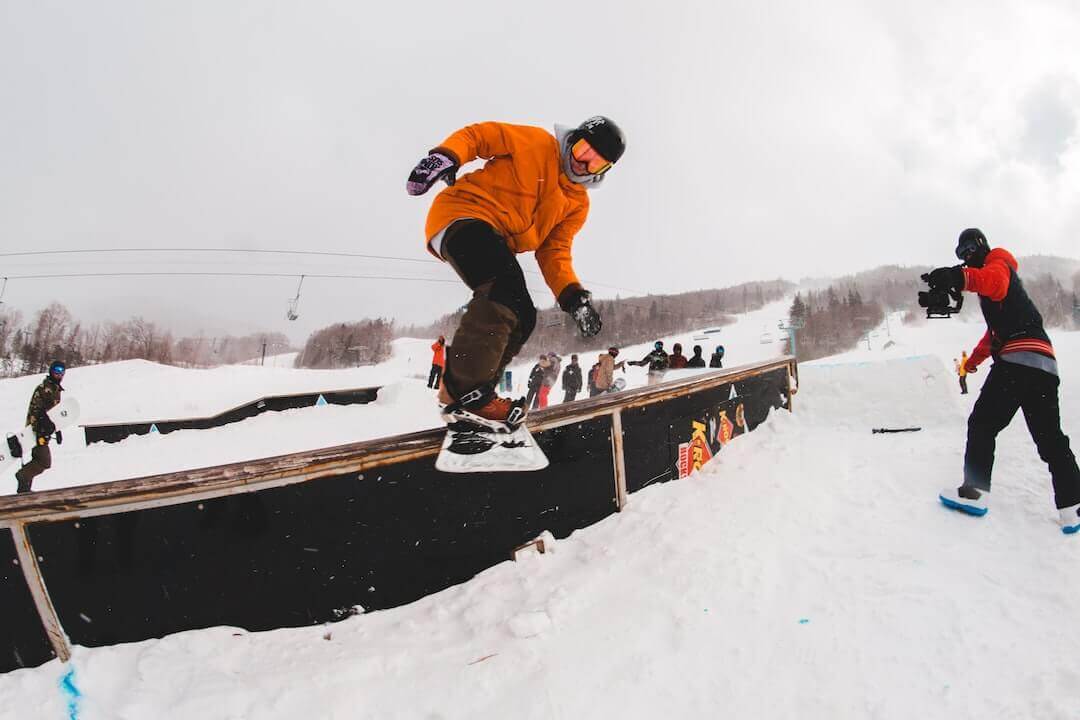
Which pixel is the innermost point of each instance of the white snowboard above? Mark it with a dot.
(468, 449)
(64, 415)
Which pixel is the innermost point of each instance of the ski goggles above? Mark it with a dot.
(593, 161)
(57, 371)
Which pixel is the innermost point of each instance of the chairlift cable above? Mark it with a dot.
(327, 253)
(223, 274)
(316, 253)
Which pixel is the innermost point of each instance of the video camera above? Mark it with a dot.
(936, 300)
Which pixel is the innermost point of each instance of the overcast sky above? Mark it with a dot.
(764, 139)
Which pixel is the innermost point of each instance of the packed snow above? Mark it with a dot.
(808, 571)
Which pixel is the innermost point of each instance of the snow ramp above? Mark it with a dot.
(898, 393)
(317, 536)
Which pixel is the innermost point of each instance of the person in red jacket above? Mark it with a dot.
(438, 361)
(530, 196)
(1024, 376)
(676, 361)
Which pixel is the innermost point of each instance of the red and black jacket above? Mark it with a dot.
(1014, 326)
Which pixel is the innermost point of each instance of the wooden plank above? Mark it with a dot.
(619, 458)
(36, 584)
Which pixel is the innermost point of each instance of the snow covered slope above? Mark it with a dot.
(808, 572)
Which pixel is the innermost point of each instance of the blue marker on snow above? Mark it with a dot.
(68, 687)
(803, 621)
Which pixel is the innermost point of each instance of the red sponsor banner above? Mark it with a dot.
(694, 454)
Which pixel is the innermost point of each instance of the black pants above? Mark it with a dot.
(40, 461)
(570, 395)
(433, 376)
(532, 398)
(963, 384)
(1008, 388)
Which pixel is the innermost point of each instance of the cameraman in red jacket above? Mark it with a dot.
(1024, 376)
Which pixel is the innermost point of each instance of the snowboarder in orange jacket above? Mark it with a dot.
(530, 196)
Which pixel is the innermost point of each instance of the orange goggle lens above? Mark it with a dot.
(594, 162)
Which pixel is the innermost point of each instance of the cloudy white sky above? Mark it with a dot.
(765, 139)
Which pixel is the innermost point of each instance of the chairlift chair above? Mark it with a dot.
(292, 312)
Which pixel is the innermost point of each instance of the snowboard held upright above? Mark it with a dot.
(18, 446)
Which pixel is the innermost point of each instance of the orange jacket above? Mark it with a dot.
(521, 191)
(439, 350)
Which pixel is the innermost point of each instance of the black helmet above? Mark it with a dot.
(604, 136)
(972, 246)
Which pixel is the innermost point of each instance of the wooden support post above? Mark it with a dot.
(36, 583)
(619, 458)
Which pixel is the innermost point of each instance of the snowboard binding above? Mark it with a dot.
(482, 409)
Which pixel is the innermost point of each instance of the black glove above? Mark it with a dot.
(434, 167)
(59, 437)
(577, 302)
(947, 278)
(45, 425)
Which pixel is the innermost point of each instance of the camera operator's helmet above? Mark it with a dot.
(972, 246)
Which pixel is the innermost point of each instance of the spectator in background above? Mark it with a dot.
(438, 362)
(551, 376)
(594, 373)
(961, 370)
(46, 396)
(605, 375)
(536, 381)
(657, 362)
(716, 360)
(676, 361)
(698, 361)
(571, 380)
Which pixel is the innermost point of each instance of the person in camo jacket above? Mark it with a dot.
(530, 196)
(46, 396)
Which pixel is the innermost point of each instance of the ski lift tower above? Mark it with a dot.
(791, 327)
(360, 351)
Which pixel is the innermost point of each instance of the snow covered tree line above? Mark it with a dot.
(631, 321)
(833, 321)
(53, 332)
(365, 342)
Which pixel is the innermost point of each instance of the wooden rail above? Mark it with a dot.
(242, 477)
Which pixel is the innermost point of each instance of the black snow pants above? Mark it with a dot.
(40, 461)
(1008, 388)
